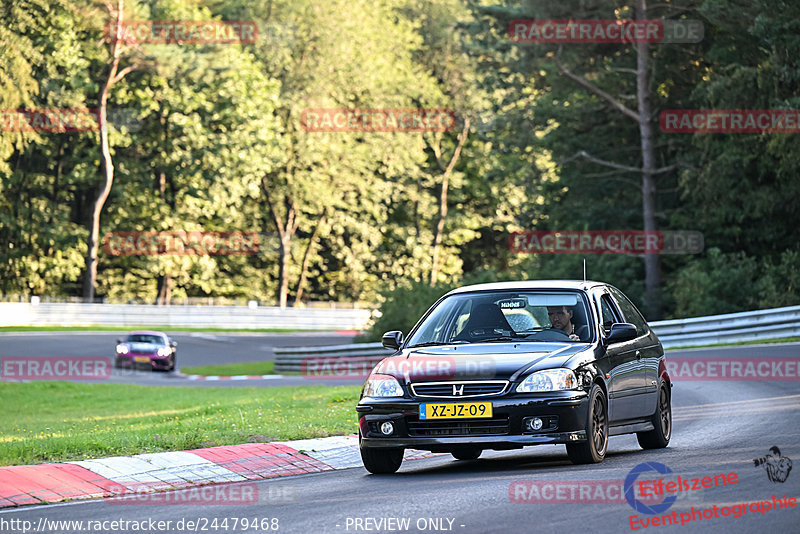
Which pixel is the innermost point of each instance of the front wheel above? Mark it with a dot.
(658, 438)
(593, 450)
(380, 461)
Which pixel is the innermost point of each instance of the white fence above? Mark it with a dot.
(66, 314)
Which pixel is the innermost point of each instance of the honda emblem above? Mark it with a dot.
(458, 390)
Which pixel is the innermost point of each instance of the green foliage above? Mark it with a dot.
(402, 307)
(208, 137)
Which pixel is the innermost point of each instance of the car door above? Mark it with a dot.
(648, 348)
(626, 373)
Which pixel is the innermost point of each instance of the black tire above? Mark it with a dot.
(172, 363)
(593, 450)
(658, 438)
(466, 454)
(381, 461)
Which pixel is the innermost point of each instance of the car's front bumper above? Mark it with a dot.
(564, 414)
(153, 361)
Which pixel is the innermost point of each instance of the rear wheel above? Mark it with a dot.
(593, 450)
(381, 461)
(658, 438)
(466, 454)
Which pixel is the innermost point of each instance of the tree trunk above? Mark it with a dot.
(285, 232)
(437, 237)
(646, 133)
(283, 269)
(298, 294)
(97, 207)
(107, 165)
(164, 290)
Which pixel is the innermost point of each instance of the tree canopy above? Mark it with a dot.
(547, 136)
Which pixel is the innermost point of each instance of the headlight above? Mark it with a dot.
(550, 380)
(122, 349)
(164, 351)
(382, 386)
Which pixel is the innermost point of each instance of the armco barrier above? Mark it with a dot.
(63, 314)
(728, 328)
(290, 359)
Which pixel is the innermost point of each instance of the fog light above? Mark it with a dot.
(387, 428)
(536, 424)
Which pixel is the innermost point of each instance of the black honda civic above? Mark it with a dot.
(506, 365)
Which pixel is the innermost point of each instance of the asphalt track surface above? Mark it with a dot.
(194, 348)
(719, 427)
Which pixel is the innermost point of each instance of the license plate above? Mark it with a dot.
(143, 359)
(455, 410)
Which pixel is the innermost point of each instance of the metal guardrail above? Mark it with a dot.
(290, 359)
(66, 314)
(728, 328)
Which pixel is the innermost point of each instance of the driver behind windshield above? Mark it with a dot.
(561, 318)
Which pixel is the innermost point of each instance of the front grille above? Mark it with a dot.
(497, 426)
(482, 388)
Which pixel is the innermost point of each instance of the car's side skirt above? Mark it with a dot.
(630, 428)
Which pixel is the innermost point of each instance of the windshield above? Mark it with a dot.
(145, 338)
(531, 315)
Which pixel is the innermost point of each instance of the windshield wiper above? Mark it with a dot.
(504, 338)
(435, 343)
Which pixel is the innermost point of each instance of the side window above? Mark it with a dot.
(608, 314)
(630, 312)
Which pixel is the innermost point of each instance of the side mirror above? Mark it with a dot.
(119, 341)
(392, 340)
(621, 332)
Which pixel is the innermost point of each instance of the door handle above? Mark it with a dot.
(638, 355)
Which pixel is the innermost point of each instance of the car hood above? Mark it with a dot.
(477, 361)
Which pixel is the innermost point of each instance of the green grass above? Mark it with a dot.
(60, 421)
(161, 328)
(231, 369)
(752, 342)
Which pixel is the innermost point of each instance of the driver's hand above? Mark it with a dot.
(574, 337)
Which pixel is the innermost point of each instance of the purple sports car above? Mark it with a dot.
(155, 350)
